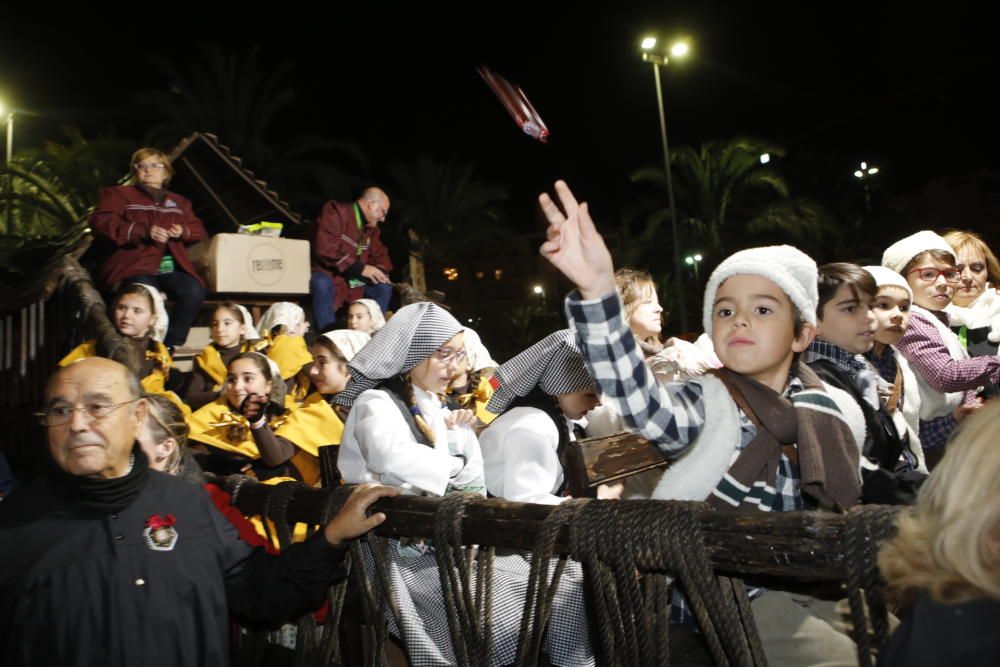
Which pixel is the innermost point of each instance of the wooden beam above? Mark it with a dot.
(797, 546)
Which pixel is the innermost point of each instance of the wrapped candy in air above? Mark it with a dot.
(516, 103)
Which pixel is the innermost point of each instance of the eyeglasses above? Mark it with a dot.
(446, 356)
(62, 413)
(149, 166)
(929, 274)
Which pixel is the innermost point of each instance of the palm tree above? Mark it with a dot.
(726, 194)
(445, 211)
(240, 99)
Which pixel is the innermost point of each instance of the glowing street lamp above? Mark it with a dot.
(677, 50)
(693, 261)
(765, 158)
(865, 172)
(9, 122)
(537, 289)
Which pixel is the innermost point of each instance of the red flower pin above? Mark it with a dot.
(160, 533)
(156, 522)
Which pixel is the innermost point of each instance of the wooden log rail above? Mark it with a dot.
(796, 546)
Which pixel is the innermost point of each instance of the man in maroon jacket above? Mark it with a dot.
(148, 229)
(349, 260)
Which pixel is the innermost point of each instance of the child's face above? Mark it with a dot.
(227, 328)
(932, 293)
(133, 317)
(972, 264)
(848, 321)
(358, 318)
(753, 329)
(328, 373)
(245, 378)
(434, 373)
(892, 314)
(578, 403)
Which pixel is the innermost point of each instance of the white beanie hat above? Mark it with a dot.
(789, 268)
(899, 254)
(887, 277)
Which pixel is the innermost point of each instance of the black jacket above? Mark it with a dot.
(79, 587)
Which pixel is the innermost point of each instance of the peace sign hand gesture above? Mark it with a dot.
(574, 245)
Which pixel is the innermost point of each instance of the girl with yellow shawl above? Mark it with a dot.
(139, 317)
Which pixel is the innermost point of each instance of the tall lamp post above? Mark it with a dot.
(678, 50)
(9, 122)
(865, 172)
(693, 261)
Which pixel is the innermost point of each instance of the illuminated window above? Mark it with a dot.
(480, 275)
(451, 273)
(497, 274)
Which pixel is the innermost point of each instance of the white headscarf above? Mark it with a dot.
(248, 323)
(162, 321)
(374, 311)
(479, 357)
(348, 341)
(284, 313)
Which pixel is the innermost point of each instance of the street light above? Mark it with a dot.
(863, 174)
(537, 289)
(693, 261)
(765, 158)
(9, 122)
(678, 50)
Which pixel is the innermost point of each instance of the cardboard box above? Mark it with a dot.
(242, 264)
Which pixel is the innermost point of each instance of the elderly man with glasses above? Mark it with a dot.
(106, 562)
(349, 260)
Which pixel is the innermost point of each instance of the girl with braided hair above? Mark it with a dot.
(541, 396)
(400, 432)
(395, 394)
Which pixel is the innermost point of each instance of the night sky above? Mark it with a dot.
(907, 89)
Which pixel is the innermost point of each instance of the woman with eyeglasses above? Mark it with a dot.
(948, 379)
(399, 432)
(145, 228)
(975, 310)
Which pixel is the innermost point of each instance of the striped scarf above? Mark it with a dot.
(811, 431)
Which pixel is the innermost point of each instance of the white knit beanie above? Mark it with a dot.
(789, 268)
(899, 254)
(887, 277)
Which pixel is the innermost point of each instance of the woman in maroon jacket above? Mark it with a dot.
(148, 229)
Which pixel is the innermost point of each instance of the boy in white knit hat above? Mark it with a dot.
(948, 379)
(762, 432)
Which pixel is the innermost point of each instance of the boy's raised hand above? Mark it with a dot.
(574, 246)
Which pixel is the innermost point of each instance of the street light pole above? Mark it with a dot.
(9, 122)
(657, 61)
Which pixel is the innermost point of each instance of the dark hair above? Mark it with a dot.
(233, 308)
(942, 256)
(259, 360)
(832, 276)
(135, 288)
